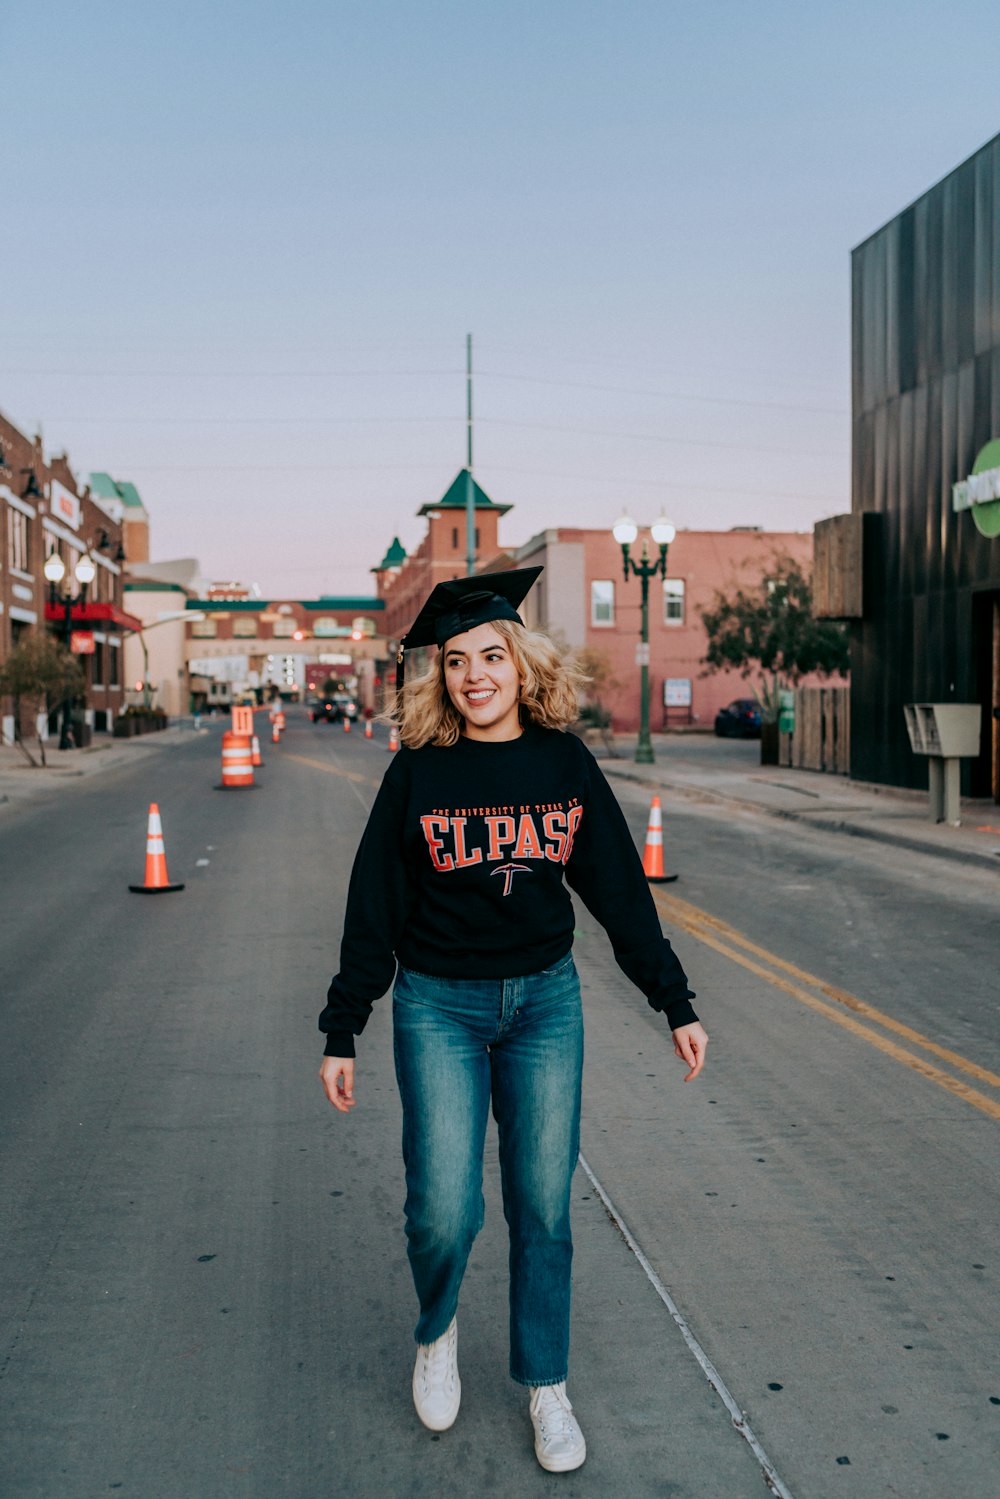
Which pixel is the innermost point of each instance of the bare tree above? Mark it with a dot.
(38, 674)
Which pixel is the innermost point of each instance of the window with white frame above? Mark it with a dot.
(19, 532)
(673, 601)
(602, 602)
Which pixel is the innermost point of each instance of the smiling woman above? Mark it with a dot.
(486, 1002)
(483, 683)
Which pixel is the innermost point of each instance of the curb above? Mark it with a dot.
(824, 824)
(100, 758)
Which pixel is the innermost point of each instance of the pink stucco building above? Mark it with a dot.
(582, 595)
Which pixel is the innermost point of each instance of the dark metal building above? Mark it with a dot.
(919, 578)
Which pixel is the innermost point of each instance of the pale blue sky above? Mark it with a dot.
(243, 244)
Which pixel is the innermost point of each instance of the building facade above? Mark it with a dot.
(403, 582)
(915, 567)
(584, 600)
(251, 646)
(45, 510)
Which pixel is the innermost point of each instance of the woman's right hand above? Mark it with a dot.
(337, 1077)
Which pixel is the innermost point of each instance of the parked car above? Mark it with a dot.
(331, 709)
(740, 720)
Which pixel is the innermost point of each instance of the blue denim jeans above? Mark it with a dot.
(458, 1044)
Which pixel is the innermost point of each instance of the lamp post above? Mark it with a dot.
(625, 532)
(85, 572)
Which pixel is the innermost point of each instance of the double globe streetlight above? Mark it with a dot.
(625, 532)
(55, 570)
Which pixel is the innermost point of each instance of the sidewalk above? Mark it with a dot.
(883, 813)
(20, 781)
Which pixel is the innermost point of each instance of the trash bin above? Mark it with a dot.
(946, 733)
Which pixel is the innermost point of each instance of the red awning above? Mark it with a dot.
(93, 616)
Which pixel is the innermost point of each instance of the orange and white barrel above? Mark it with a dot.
(237, 760)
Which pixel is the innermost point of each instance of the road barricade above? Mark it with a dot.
(237, 761)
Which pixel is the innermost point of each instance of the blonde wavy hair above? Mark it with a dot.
(550, 686)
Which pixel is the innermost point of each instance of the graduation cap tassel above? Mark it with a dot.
(400, 668)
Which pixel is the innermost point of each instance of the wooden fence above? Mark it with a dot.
(822, 737)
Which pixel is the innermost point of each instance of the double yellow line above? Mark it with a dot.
(834, 1004)
(333, 770)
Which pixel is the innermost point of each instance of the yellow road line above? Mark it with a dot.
(710, 931)
(333, 770)
(681, 910)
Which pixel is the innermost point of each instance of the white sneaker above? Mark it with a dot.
(437, 1389)
(559, 1443)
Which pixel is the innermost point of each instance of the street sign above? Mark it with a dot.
(81, 643)
(642, 653)
(677, 692)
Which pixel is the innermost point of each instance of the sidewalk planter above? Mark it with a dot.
(770, 743)
(139, 721)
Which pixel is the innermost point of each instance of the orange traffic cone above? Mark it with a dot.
(394, 738)
(652, 854)
(347, 725)
(275, 732)
(157, 880)
(256, 758)
(368, 728)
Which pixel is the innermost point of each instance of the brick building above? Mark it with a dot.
(403, 582)
(251, 645)
(584, 601)
(43, 509)
(583, 598)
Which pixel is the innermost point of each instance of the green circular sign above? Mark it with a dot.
(987, 515)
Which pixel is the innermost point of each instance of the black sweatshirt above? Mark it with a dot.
(460, 875)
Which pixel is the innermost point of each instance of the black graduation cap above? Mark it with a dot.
(459, 604)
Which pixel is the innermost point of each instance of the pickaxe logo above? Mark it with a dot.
(508, 870)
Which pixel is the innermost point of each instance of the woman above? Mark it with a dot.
(459, 879)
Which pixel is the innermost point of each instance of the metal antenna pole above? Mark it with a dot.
(470, 493)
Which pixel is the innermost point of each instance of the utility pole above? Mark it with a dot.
(470, 493)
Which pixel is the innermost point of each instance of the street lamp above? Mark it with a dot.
(189, 616)
(625, 532)
(85, 572)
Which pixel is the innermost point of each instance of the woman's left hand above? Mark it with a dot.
(690, 1042)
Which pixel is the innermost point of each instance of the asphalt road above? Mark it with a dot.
(206, 1291)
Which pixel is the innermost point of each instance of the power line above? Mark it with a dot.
(618, 480)
(338, 421)
(666, 395)
(687, 442)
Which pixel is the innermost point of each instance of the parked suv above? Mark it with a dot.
(333, 708)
